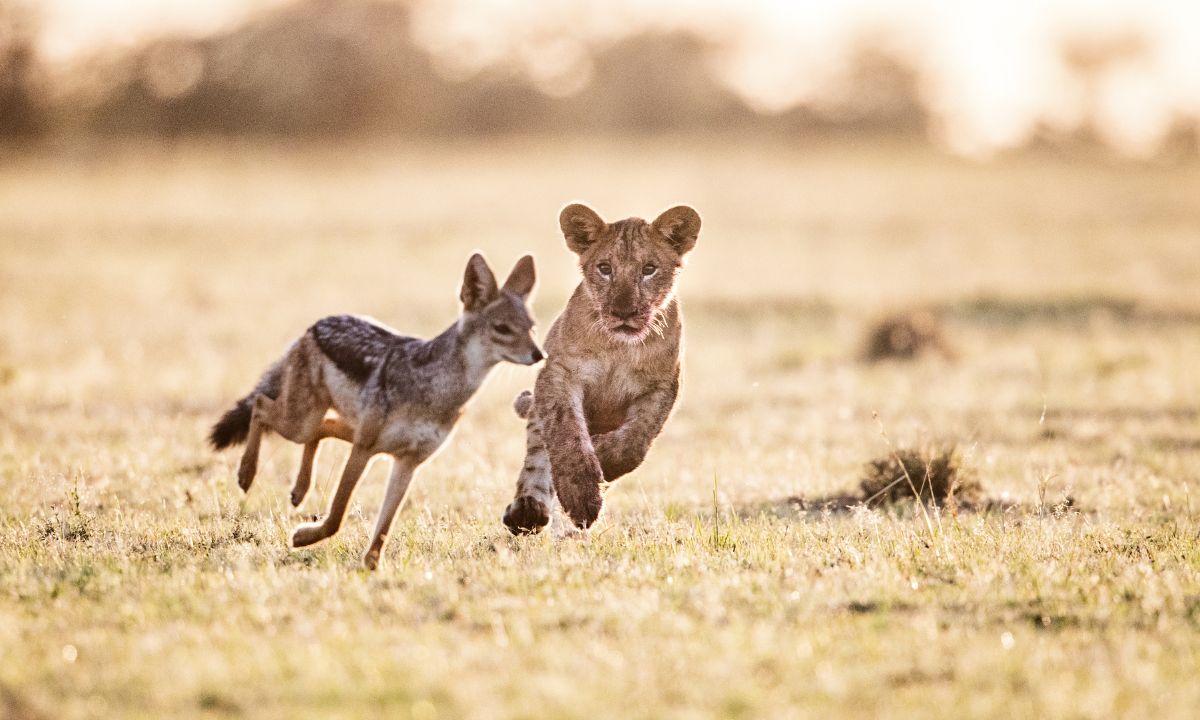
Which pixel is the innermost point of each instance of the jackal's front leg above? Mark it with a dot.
(402, 472)
(310, 533)
(573, 464)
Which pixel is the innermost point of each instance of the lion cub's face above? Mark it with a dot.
(629, 266)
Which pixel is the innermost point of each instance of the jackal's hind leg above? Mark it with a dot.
(330, 428)
(295, 412)
(530, 510)
(298, 424)
(260, 420)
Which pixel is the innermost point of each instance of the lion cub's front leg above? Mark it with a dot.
(573, 463)
(622, 450)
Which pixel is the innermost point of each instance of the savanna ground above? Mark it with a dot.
(142, 289)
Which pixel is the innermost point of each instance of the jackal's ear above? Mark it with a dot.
(580, 225)
(681, 225)
(479, 284)
(520, 281)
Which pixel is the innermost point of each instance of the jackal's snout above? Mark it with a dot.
(522, 349)
(535, 356)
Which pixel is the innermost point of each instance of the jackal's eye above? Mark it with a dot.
(648, 270)
(604, 269)
(502, 329)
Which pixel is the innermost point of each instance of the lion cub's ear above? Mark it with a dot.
(681, 225)
(479, 284)
(520, 281)
(580, 226)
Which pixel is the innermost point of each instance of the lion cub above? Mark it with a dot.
(391, 394)
(612, 374)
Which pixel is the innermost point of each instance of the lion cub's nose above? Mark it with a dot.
(624, 313)
(537, 356)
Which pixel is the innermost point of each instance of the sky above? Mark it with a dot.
(991, 72)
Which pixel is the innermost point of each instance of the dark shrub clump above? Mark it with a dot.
(904, 336)
(938, 475)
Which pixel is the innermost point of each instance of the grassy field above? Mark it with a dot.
(143, 288)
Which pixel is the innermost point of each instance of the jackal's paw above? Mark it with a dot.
(526, 516)
(582, 502)
(298, 496)
(371, 559)
(308, 534)
(246, 476)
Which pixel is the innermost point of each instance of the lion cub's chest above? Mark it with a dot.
(608, 389)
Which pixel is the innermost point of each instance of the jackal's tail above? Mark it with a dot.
(523, 404)
(234, 425)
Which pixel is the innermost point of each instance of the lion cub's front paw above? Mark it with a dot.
(582, 502)
(526, 516)
(308, 534)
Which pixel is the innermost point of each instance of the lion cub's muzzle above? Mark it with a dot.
(628, 324)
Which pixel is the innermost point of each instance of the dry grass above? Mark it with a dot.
(142, 289)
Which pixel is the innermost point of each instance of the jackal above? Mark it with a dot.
(388, 394)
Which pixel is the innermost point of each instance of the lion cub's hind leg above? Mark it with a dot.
(530, 510)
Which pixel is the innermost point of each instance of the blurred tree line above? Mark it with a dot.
(340, 67)
(20, 114)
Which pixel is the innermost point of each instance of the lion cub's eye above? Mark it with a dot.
(648, 270)
(604, 269)
(502, 329)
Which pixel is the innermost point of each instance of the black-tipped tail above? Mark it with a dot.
(233, 427)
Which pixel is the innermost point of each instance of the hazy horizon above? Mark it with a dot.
(989, 76)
